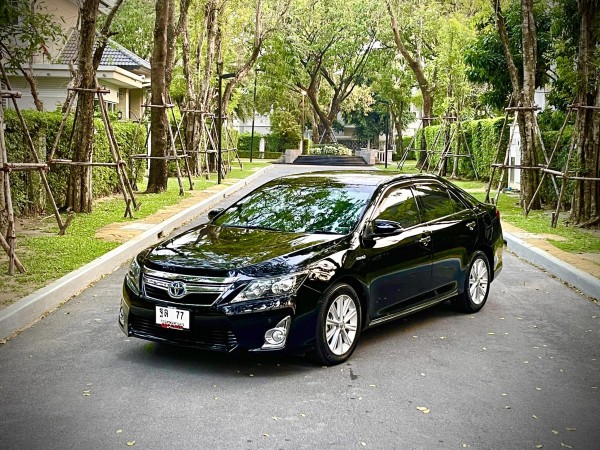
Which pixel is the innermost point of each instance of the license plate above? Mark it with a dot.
(173, 318)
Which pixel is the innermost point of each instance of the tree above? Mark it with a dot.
(132, 26)
(166, 31)
(323, 53)
(523, 89)
(89, 54)
(414, 58)
(25, 31)
(485, 60)
(586, 198)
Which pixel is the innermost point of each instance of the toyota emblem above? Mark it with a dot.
(177, 289)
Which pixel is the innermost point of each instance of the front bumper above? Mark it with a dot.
(219, 328)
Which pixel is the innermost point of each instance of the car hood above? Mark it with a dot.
(225, 251)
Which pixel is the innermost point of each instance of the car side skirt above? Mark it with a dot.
(413, 309)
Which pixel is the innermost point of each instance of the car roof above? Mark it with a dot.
(359, 177)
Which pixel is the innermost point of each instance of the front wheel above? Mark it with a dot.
(338, 324)
(477, 286)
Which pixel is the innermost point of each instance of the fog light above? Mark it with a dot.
(275, 337)
(121, 317)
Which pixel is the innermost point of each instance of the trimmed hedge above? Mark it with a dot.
(482, 137)
(43, 127)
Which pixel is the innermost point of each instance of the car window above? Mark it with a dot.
(436, 202)
(304, 205)
(398, 204)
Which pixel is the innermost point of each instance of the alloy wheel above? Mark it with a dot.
(341, 324)
(478, 281)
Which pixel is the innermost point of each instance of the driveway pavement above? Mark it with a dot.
(521, 373)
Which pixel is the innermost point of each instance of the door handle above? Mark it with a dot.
(425, 240)
(471, 225)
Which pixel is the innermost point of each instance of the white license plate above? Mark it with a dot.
(169, 317)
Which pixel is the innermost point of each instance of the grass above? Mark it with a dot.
(48, 256)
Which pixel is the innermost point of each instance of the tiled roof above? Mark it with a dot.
(114, 55)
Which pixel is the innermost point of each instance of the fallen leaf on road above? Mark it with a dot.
(364, 444)
(538, 388)
(423, 409)
(555, 432)
(130, 443)
(539, 446)
(534, 416)
(119, 431)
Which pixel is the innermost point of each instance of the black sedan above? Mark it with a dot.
(306, 262)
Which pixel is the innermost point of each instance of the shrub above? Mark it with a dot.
(285, 126)
(43, 128)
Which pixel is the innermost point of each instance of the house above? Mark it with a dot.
(121, 71)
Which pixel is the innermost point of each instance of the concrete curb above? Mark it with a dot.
(29, 309)
(583, 281)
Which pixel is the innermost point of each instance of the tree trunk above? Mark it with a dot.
(586, 197)
(79, 190)
(529, 178)
(424, 85)
(159, 122)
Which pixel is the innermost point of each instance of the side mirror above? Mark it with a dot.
(214, 213)
(386, 227)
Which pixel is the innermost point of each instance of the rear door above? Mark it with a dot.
(454, 234)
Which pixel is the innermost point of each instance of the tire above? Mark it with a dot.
(337, 339)
(477, 285)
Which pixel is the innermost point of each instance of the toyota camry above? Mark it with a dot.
(307, 262)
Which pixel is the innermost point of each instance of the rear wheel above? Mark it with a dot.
(338, 324)
(477, 286)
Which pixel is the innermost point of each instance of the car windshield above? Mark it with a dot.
(300, 205)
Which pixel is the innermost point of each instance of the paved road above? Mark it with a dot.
(523, 372)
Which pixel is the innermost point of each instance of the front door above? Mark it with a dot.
(397, 267)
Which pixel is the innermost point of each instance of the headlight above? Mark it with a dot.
(269, 287)
(133, 276)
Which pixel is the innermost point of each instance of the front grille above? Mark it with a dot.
(189, 299)
(198, 336)
(190, 290)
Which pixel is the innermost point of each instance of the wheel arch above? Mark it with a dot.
(488, 251)
(362, 293)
